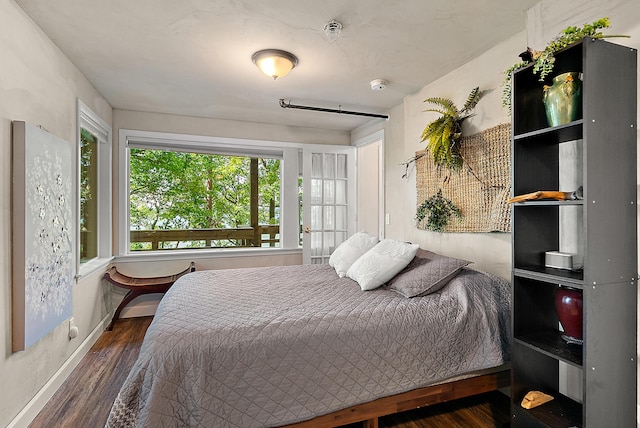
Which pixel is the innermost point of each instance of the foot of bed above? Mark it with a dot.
(370, 423)
(368, 413)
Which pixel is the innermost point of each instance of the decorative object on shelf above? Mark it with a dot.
(562, 260)
(568, 303)
(535, 399)
(548, 194)
(438, 211)
(443, 134)
(544, 61)
(563, 99)
(481, 194)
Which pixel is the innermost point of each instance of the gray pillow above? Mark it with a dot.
(427, 273)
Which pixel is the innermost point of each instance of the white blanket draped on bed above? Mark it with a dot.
(277, 345)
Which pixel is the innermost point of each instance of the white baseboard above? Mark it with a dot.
(37, 403)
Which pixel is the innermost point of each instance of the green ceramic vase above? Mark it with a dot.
(563, 99)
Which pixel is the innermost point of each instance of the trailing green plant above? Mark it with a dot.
(506, 84)
(438, 211)
(544, 61)
(443, 134)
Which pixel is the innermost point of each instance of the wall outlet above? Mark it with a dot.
(73, 330)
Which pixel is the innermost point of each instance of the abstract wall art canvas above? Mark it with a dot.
(42, 201)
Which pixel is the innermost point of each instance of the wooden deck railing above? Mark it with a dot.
(243, 236)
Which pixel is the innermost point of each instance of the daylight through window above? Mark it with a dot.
(187, 200)
(88, 195)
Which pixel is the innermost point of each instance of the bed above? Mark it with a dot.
(300, 345)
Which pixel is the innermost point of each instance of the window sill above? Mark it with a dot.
(93, 266)
(144, 256)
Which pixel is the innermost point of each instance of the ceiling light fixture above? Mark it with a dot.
(332, 29)
(274, 62)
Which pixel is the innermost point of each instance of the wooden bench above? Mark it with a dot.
(139, 286)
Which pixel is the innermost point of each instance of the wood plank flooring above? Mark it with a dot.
(85, 398)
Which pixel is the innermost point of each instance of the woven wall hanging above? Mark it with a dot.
(480, 189)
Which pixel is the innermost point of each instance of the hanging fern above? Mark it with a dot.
(438, 211)
(443, 134)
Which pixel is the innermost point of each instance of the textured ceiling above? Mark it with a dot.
(193, 57)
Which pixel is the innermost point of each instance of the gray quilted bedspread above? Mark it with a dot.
(277, 345)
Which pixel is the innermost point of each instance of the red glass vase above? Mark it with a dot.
(568, 302)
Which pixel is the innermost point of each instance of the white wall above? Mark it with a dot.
(38, 85)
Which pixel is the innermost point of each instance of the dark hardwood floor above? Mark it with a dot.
(85, 398)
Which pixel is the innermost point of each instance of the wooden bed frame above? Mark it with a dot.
(368, 413)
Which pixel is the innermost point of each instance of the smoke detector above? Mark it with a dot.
(378, 84)
(332, 30)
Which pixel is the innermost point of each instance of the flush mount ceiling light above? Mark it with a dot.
(332, 29)
(274, 62)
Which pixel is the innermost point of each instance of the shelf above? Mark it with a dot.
(551, 344)
(559, 412)
(553, 135)
(604, 234)
(551, 275)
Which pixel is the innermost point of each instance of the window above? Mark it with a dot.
(195, 193)
(188, 200)
(94, 190)
(88, 195)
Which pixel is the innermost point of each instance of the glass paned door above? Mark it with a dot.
(328, 198)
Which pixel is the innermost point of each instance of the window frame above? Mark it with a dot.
(89, 120)
(289, 215)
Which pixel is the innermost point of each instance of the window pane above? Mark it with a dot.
(316, 165)
(329, 165)
(88, 196)
(328, 244)
(316, 217)
(342, 166)
(194, 200)
(341, 192)
(329, 223)
(341, 217)
(316, 191)
(329, 192)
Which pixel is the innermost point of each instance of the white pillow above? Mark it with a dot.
(348, 252)
(381, 263)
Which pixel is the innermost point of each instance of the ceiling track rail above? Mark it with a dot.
(287, 104)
